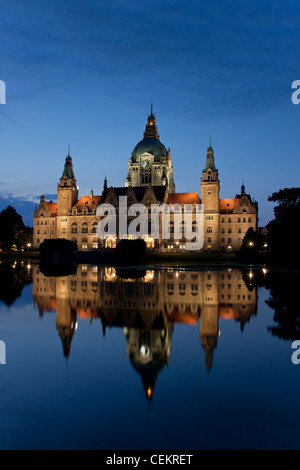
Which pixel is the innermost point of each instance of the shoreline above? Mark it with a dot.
(228, 260)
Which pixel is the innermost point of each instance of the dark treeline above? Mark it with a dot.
(281, 244)
(14, 234)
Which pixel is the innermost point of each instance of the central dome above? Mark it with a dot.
(150, 145)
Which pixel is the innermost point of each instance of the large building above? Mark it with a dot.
(149, 181)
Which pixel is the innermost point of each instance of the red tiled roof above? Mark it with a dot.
(228, 204)
(89, 202)
(183, 198)
(52, 207)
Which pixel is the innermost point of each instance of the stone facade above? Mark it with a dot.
(149, 181)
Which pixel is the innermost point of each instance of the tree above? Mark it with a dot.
(283, 232)
(13, 232)
(253, 241)
(49, 247)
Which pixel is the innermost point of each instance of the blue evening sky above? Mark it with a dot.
(83, 73)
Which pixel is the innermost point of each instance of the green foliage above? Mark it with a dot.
(253, 241)
(130, 252)
(13, 232)
(253, 247)
(283, 231)
(57, 245)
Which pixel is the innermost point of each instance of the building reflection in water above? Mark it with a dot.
(147, 306)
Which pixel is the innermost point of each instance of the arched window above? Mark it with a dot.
(244, 219)
(209, 229)
(84, 227)
(239, 230)
(229, 240)
(229, 220)
(249, 219)
(94, 227)
(223, 220)
(194, 226)
(209, 240)
(229, 230)
(223, 240)
(223, 230)
(74, 227)
(63, 230)
(171, 227)
(239, 220)
(38, 232)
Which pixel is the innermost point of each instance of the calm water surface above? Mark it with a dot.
(154, 358)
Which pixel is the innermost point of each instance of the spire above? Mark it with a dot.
(243, 187)
(68, 167)
(105, 184)
(210, 142)
(91, 193)
(210, 160)
(151, 129)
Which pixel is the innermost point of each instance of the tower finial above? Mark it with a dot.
(105, 183)
(243, 187)
(210, 141)
(68, 150)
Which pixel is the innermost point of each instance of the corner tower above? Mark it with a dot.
(67, 191)
(210, 197)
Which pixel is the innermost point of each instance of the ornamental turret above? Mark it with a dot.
(67, 190)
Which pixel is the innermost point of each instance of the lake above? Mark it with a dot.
(154, 357)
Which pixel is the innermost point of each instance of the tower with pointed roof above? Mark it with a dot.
(150, 161)
(210, 194)
(67, 191)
